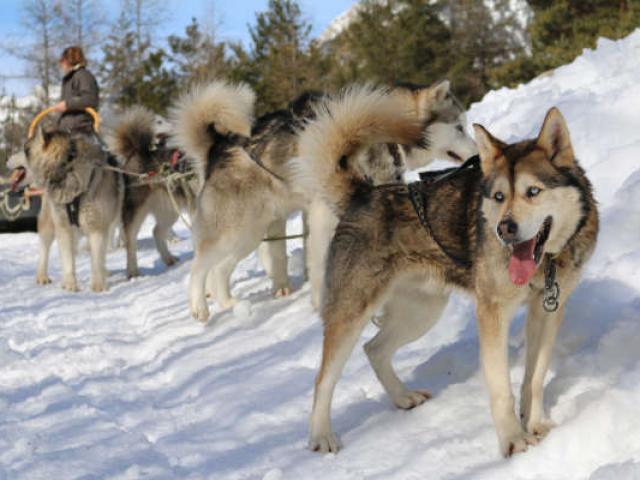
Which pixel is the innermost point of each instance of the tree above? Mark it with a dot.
(197, 56)
(561, 29)
(133, 72)
(482, 41)
(281, 62)
(40, 22)
(392, 41)
(144, 16)
(12, 128)
(81, 23)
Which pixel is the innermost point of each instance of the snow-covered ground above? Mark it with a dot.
(126, 385)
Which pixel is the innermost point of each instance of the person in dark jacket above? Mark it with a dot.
(79, 91)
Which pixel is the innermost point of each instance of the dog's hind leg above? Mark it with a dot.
(131, 223)
(322, 225)
(408, 315)
(541, 331)
(46, 235)
(340, 336)
(352, 296)
(165, 219)
(246, 243)
(98, 241)
(273, 256)
(213, 263)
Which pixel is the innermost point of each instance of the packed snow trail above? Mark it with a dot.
(126, 385)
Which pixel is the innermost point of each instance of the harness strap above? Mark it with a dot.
(419, 202)
(73, 211)
(551, 294)
(418, 196)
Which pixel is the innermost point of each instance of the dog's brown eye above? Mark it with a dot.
(499, 197)
(532, 192)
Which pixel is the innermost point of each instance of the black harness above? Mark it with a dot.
(419, 199)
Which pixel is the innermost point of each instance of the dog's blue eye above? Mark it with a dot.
(499, 197)
(532, 191)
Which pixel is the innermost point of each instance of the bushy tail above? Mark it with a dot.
(331, 162)
(218, 107)
(133, 133)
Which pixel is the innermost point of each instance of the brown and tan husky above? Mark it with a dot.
(514, 230)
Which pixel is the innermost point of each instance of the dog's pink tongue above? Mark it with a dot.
(522, 266)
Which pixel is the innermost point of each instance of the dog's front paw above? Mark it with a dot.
(132, 273)
(170, 260)
(282, 292)
(98, 285)
(327, 443)
(42, 279)
(411, 398)
(200, 313)
(517, 443)
(540, 429)
(70, 285)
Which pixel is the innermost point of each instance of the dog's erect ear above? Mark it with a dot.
(554, 139)
(489, 148)
(43, 137)
(440, 91)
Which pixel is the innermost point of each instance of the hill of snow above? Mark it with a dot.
(339, 24)
(125, 385)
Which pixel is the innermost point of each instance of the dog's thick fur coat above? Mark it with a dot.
(240, 199)
(262, 201)
(382, 256)
(68, 167)
(134, 140)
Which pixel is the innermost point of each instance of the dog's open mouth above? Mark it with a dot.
(454, 156)
(526, 256)
(17, 176)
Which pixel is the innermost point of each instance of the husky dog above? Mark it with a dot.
(241, 196)
(269, 181)
(444, 137)
(142, 150)
(515, 229)
(21, 177)
(78, 193)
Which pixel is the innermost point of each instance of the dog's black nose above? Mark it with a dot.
(507, 230)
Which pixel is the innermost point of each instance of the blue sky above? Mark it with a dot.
(233, 17)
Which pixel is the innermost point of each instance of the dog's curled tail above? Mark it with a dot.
(333, 159)
(206, 112)
(133, 133)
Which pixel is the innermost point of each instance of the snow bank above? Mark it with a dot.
(126, 385)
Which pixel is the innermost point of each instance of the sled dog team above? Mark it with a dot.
(512, 226)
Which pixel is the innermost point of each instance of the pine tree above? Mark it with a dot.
(482, 41)
(12, 129)
(132, 71)
(561, 29)
(392, 41)
(281, 63)
(197, 56)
